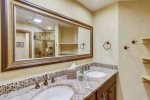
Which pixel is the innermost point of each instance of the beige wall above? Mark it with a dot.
(120, 25)
(66, 7)
(106, 29)
(133, 23)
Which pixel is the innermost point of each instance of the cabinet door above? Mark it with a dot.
(112, 92)
(104, 96)
(101, 98)
(92, 97)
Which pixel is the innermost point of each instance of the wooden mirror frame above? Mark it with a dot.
(6, 44)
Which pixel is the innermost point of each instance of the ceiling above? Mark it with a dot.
(27, 17)
(94, 5)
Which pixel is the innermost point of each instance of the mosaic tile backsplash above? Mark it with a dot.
(8, 88)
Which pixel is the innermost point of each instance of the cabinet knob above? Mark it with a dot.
(110, 91)
(53, 80)
(104, 96)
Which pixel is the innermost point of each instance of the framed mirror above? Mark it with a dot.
(34, 36)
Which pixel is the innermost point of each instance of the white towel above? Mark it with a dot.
(73, 66)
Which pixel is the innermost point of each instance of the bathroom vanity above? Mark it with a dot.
(106, 92)
(102, 87)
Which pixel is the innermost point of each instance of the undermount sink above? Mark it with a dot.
(95, 74)
(55, 93)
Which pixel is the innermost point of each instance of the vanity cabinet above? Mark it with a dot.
(92, 97)
(112, 92)
(106, 92)
(108, 95)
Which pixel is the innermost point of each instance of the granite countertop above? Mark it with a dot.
(82, 89)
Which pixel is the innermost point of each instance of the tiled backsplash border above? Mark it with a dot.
(104, 65)
(4, 89)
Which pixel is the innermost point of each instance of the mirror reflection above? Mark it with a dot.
(38, 36)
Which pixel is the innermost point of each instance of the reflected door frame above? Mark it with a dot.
(30, 41)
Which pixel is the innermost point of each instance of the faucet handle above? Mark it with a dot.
(37, 86)
(87, 67)
(46, 80)
(53, 80)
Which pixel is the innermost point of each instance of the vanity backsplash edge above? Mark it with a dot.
(14, 86)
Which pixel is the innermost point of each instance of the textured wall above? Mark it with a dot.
(106, 29)
(120, 24)
(133, 23)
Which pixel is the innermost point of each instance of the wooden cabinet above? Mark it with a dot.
(112, 92)
(106, 92)
(103, 96)
(91, 97)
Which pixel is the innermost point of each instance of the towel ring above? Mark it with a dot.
(107, 45)
(82, 46)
